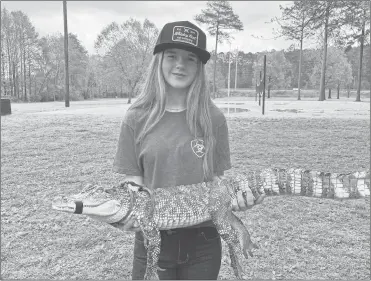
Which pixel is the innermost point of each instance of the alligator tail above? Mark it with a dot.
(309, 183)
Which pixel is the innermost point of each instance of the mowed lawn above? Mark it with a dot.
(45, 154)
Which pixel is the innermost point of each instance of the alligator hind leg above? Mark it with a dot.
(238, 271)
(230, 236)
(243, 235)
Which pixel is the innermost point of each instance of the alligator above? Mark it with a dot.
(188, 205)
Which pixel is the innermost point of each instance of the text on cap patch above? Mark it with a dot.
(185, 35)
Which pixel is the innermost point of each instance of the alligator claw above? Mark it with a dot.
(239, 272)
(249, 249)
(248, 246)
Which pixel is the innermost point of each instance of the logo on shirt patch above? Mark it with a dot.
(198, 147)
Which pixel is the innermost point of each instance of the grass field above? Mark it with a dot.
(48, 150)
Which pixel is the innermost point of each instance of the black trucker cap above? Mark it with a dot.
(183, 35)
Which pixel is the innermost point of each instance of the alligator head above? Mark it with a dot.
(111, 205)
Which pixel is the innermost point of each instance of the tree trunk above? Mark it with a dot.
(129, 94)
(24, 75)
(348, 90)
(338, 97)
(323, 71)
(21, 74)
(235, 78)
(269, 87)
(215, 60)
(256, 89)
(14, 85)
(18, 85)
(329, 93)
(358, 98)
(300, 60)
(46, 97)
(29, 75)
(10, 70)
(3, 73)
(10, 79)
(66, 71)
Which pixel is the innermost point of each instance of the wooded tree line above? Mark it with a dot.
(33, 66)
(338, 23)
(282, 68)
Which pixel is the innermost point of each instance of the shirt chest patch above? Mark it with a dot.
(198, 147)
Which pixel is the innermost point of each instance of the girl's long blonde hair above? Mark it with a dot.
(153, 100)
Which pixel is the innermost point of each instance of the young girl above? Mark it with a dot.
(173, 134)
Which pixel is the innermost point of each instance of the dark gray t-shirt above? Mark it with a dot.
(169, 154)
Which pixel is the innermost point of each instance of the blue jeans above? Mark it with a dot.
(192, 253)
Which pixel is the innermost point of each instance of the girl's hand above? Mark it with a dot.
(239, 204)
(131, 225)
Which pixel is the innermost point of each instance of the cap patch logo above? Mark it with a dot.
(185, 35)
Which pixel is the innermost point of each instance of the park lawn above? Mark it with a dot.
(44, 155)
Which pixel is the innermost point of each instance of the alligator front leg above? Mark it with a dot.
(153, 244)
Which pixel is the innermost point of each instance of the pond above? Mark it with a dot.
(234, 103)
(233, 109)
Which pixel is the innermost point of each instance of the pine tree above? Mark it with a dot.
(356, 20)
(295, 25)
(221, 20)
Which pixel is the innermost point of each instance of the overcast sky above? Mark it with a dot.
(86, 19)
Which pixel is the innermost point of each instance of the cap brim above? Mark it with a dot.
(202, 54)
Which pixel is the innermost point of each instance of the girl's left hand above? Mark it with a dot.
(239, 203)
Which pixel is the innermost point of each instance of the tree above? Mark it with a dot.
(128, 48)
(94, 74)
(221, 78)
(338, 73)
(50, 69)
(295, 24)
(277, 67)
(355, 18)
(19, 43)
(325, 18)
(221, 20)
(293, 55)
(247, 72)
(328, 16)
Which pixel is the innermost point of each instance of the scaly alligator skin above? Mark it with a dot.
(310, 183)
(182, 206)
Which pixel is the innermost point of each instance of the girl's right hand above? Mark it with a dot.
(131, 225)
